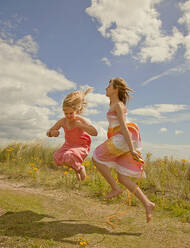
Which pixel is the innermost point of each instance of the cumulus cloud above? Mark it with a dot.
(185, 19)
(163, 130)
(27, 110)
(180, 117)
(158, 113)
(95, 100)
(178, 132)
(102, 124)
(106, 61)
(25, 84)
(138, 23)
(160, 150)
(90, 111)
(182, 40)
(157, 109)
(101, 127)
(160, 47)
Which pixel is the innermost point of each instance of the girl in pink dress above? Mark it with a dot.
(121, 150)
(77, 134)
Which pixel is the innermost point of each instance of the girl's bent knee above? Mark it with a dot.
(122, 178)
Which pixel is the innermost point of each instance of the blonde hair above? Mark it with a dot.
(123, 90)
(76, 100)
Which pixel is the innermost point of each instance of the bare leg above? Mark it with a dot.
(82, 173)
(78, 175)
(129, 184)
(104, 170)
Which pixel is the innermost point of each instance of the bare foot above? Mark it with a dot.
(82, 173)
(113, 193)
(149, 210)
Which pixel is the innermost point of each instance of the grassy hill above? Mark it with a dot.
(38, 218)
(47, 207)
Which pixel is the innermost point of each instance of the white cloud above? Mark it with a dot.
(178, 69)
(89, 111)
(180, 117)
(158, 113)
(25, 84)
(102, 124)
(157, 109)
(178, 132)
(28, 44)
(102, 135)
(138, 23)
(147, 111)
(159, 47)
(95, 100)
(163, 130)
(106, 61)
(166, 108)
(161, 150)
(185, 19)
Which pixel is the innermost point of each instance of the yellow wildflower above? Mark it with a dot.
(30, 171)
(184, 160)
(66, 172)
(35, 169)
(86, 163)
(83, 243)
(10, 149)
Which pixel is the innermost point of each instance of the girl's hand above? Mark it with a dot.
(53, 133)
(136, 156)
(48, 133)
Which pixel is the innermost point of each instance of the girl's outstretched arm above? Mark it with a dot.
(86, 126)
(53, 131)
(121, 116)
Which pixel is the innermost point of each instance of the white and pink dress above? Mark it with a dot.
(114, 152)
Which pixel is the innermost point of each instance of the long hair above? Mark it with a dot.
(76, 100)
(123, 90)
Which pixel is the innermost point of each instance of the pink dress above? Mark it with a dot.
(75, 149)
(114, 152)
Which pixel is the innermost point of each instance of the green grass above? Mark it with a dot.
(167, 182)
(43, 221)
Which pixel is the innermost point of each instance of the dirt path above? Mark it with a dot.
(76, 215)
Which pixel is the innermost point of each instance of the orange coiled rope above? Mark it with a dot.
(113, 219)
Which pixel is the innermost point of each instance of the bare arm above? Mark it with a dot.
(120, 113)
(86, 126)
(53, 131)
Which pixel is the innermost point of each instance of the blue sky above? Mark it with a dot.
(49, 48)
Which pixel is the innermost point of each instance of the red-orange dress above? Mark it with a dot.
(75, 149)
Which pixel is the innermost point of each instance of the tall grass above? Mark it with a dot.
(167, 182)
